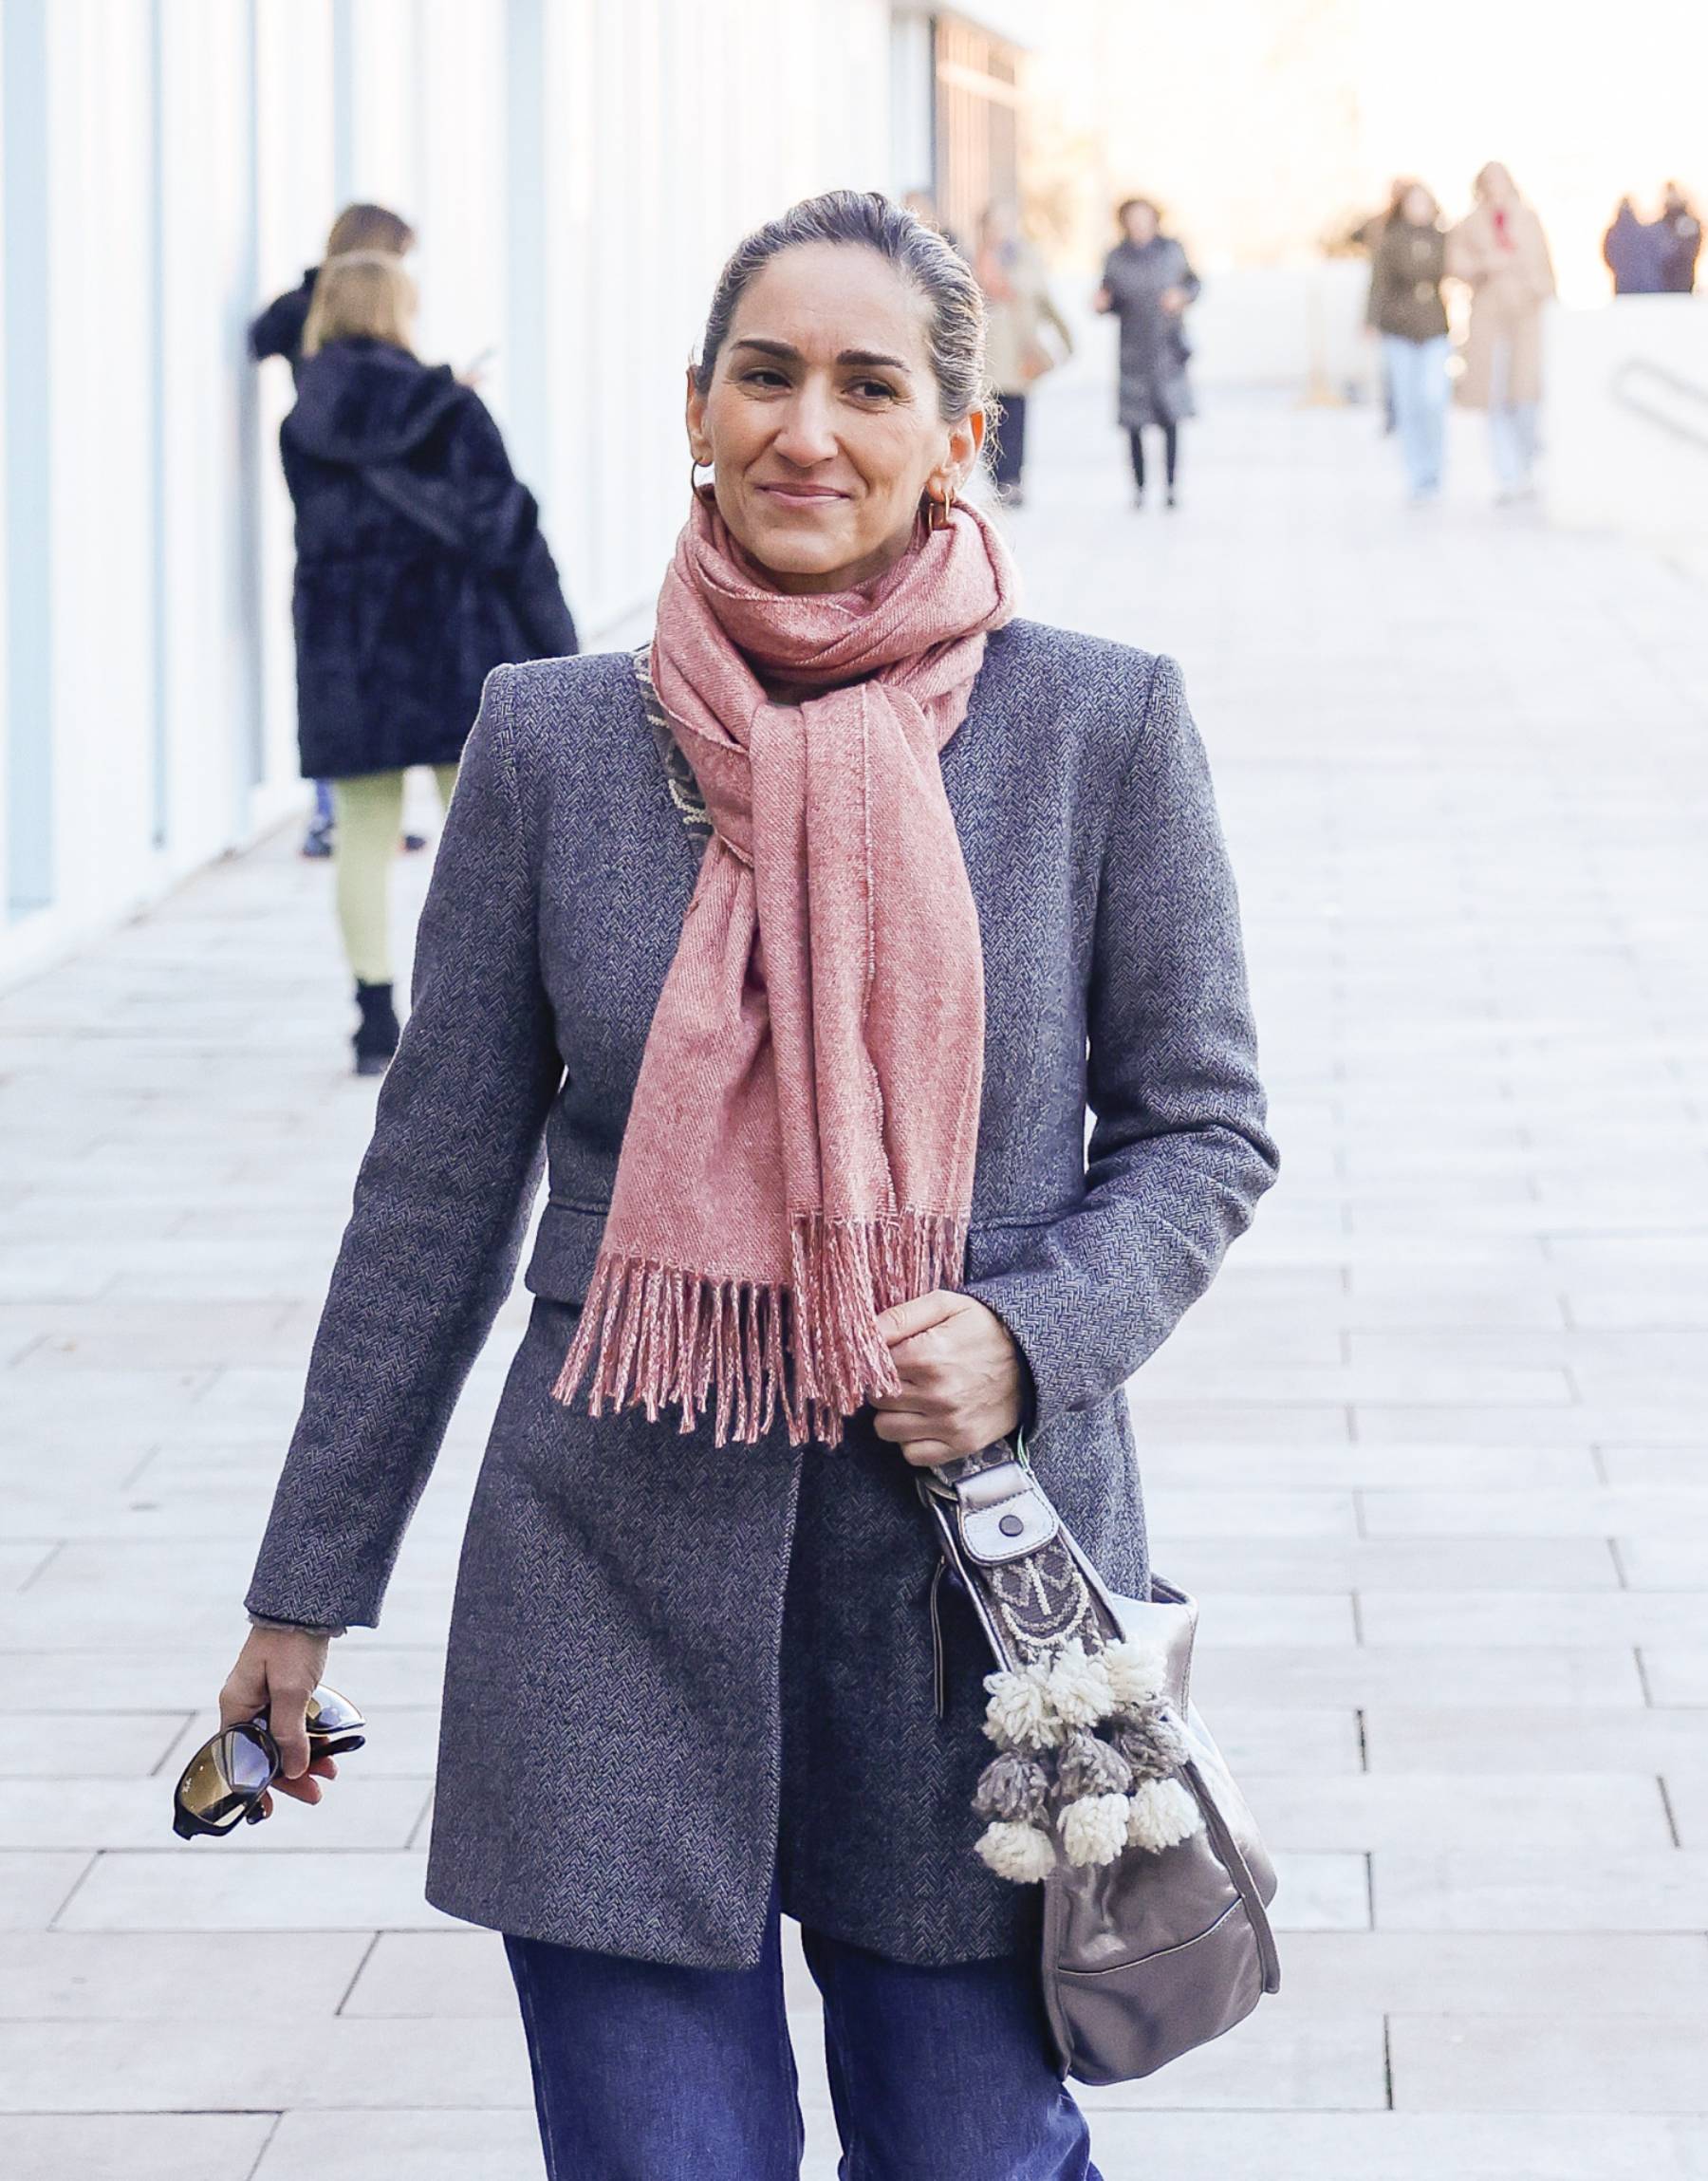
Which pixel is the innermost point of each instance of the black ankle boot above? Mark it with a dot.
(376, 1038)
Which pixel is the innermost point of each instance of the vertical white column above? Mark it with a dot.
(99, 448)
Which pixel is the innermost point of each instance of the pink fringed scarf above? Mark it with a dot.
(799, 1153)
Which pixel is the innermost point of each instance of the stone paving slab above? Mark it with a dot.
(134, 2146)
(1432, 1451)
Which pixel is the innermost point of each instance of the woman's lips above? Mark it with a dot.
(803, 496)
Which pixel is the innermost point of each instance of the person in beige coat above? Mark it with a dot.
(1500, 252)
(1018, 306)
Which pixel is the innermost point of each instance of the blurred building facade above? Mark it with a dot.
(576, 170)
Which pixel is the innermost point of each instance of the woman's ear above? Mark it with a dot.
(965, 439)
(698, 445)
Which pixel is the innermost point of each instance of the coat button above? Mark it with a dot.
(1010, 1525)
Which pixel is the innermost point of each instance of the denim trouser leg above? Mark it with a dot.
(647, 2073)
(1417, 374)
(643, 2072)
(945, 2073)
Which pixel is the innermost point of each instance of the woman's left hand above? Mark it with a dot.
(961, 1385)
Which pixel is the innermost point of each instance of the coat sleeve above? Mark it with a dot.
(441, 1206)
(503, 519)
(278, 331)
(1179, 1153)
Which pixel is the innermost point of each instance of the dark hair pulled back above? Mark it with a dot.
(921, 255)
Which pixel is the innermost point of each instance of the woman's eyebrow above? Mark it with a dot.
(867, 358)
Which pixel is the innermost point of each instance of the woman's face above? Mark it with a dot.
(1140, 222)
(1418, 206)
(822, 421)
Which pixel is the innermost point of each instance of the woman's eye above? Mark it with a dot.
(763, 378)
(875, 389)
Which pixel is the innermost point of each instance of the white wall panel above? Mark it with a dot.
(667, 128)
(295, 207)
(101, 451)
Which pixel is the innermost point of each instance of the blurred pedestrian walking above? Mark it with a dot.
(420, 566)
(278, 331)
(1683, 244)
(1147, 285)
(1634, 251)
(1500, 252)
(1018, 306)
(1367, 237)
(1408, 313)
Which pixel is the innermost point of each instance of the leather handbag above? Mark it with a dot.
(1107, 1785)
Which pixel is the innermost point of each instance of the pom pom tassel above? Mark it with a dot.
(1094, 1829)
(1079, 1687)
(1162, 1813)
(1137, 1672)
(1012, 1788)
(1021, 1714)
(1088, 1766)
(1017, 1851)
(1154, 1743)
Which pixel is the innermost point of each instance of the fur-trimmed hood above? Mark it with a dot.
(363, 401)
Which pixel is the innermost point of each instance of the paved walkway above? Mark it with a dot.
(1433, 1453)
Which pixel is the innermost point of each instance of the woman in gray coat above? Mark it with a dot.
(1147, 285)
(691, 1682)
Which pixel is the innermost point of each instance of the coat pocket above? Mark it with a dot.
(566, 1245)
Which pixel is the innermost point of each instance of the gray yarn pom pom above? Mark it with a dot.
(1011, 1789)
(1153, 1743)
(1086, 1765)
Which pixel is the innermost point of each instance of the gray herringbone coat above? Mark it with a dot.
(675, 1669)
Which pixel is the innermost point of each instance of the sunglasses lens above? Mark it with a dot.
(329, 1713)
(222, 1783)
(335, 1725)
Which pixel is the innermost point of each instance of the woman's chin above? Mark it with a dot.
(790, 549)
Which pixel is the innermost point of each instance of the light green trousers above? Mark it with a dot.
(368, 811)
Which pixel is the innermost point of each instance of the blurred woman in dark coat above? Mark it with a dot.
(278, 331)
(420, 566)
(1147, 285)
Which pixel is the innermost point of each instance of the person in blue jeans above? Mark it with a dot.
(643, 2069)
(1407, 310)
(691, 1683)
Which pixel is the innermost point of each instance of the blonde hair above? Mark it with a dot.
(362, 296)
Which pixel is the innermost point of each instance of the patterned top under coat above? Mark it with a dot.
(675, 1670)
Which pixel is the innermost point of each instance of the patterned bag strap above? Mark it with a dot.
(1003, 1541)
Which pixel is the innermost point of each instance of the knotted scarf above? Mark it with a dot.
(799, 1153)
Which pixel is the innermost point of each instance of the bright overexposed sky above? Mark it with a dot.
(1262, 123)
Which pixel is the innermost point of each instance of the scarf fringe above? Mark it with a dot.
(654, 1337)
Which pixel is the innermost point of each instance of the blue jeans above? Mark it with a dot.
(1513, 427)
(643, 2072)
(1416, 378)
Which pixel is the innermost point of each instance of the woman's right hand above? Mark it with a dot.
(277, 1671)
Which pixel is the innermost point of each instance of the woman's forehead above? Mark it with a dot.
(826, 299)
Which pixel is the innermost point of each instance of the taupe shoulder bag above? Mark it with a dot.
(1105, 1786)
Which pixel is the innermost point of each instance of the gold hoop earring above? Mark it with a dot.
(695, 490)
(938, 512)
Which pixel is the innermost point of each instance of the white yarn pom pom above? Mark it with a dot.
(1163, 1813)
(1138, 1671)
(1080, 1687)
(1020, 1714)
(1017, 1851)
(1094, 1829)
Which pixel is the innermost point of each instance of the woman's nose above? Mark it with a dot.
(805, 436)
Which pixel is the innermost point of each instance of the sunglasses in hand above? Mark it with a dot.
(225, 1784)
